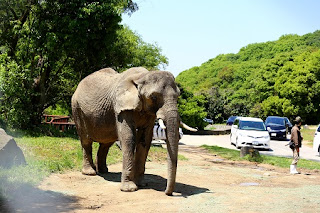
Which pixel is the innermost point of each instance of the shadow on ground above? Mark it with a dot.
(26, 198)
(158, 183)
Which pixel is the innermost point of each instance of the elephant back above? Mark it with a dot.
(99, 92)
(95, 92)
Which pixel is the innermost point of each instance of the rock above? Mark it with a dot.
(2, 132)
(248, 150)
(10, 153)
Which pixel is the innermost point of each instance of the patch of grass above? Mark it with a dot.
(45, 155)
(159, 154)
(181, 157)
(283, 162)
(209, 127)
(307, 134)
(228, 154)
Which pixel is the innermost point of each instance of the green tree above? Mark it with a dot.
(215, 103)
(272, 78)
(47, 47)
(131, 51)
(192, 108)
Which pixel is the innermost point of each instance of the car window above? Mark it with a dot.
(275, 120)
(252, 125)
(236, 122)
(232, 118)
(318, 130)
(288, 121)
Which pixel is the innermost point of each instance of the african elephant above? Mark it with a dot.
(109, 106)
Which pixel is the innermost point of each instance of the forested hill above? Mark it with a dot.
(273, 78)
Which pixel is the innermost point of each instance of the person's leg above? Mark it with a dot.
(293, 166)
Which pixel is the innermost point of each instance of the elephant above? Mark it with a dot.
(108, 106)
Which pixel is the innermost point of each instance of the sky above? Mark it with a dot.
(191, 32)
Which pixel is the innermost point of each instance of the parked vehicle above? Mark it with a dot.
(231, 120)
(277, 127)
(247, 131)
(288, 125)
(208, 120)
(160, 134)
(316, 140)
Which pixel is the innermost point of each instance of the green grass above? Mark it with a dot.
(283, 162)
(210, 127)
(46, 155)
(307, 134)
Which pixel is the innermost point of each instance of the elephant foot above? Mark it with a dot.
(102, 170)
(88, 171)
(128, 186)
(141, 182)
(168, 192)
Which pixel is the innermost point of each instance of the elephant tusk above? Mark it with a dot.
(188, 127)
(161, 123)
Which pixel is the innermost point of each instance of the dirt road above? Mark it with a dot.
(205, 183)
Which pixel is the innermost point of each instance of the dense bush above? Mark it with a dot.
(273, 78)
(192, 109)
(47, 47)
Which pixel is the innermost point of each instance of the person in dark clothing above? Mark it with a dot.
(296, 138)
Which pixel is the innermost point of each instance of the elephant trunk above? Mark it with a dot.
(172, 130)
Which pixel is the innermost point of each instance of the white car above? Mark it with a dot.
(247, 131)
(160, 134)
(316, 140)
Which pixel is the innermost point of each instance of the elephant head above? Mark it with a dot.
(155, 93)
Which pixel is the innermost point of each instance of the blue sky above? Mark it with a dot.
(191, 32)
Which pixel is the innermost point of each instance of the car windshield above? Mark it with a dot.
(252, 125)
(277, 121)
(288, 121)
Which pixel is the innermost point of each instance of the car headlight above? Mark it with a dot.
(266, 137)
(268, 128)
(283, 130)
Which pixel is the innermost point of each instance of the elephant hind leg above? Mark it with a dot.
(88, 168)
(101, 163)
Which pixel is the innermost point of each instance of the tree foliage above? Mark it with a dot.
(273, 78)
(48, 46)
(192, 109)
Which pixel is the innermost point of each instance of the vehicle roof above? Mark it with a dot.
(233, 116)
(275, 117)
(249, 119)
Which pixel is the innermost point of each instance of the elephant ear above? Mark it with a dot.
(127, 95)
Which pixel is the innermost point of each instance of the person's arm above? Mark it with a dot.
(294, 137)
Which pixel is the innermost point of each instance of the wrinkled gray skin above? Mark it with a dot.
(108, 106)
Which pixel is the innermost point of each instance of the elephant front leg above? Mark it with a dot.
(127, 133)
(144, 139)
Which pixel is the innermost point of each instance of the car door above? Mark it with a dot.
(316, 140)
(234, 130)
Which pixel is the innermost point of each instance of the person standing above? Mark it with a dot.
(296, 138)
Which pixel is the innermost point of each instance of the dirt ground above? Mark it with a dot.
(205, 183)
